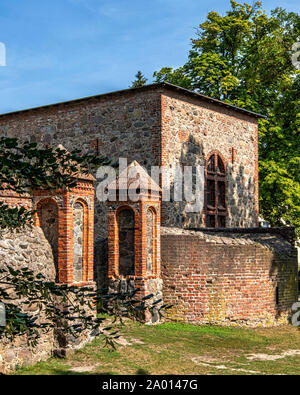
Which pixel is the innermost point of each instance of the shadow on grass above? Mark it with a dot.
(60, 372)
(141, 372)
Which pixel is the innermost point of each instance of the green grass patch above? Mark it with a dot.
(176, 348)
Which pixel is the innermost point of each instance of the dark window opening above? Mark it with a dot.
(221, 221)
(211, 221)
(215, 192)
(126, 242)
(211, 198)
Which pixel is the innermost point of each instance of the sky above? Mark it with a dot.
(58, 50)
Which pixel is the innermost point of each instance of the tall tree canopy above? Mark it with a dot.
(245, 58)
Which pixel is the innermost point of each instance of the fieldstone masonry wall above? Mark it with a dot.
(30, 249)
(191, 130)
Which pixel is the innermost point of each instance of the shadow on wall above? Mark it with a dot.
(241, 198)
(101, 262)
(173, 213)
(240, 193)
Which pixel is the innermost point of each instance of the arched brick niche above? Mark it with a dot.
(47, 216)
(67, 219)
(134, 240)
(126, 222)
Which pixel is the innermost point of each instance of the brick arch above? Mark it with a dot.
(216, 152)
(124, 207)
(215, 193)
(38, 206)
(82, 201)
(47, 218)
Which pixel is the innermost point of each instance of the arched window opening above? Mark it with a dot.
(126, 242)
(216, 209)
(150, 240)
(78, 234)
(48, 218)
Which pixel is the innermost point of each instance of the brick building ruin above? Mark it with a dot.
(215, 265)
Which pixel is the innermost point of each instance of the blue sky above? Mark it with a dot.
(60, 50)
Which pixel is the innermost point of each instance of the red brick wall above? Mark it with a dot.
(221, 278)
(15, 200)
(83, 193)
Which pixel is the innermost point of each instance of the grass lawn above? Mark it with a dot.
(174, 348)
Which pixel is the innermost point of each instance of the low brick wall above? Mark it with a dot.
(237, 278)
(14, 199)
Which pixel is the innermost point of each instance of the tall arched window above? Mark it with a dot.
(216, 209)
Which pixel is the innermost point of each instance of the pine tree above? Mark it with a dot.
(139, 81)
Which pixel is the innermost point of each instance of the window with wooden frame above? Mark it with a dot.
(216, 209)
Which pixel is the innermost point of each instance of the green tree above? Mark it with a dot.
(244, 58)
(140, 80)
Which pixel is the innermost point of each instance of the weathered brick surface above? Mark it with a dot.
(228, 278)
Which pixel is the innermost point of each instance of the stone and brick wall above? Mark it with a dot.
(155, 126)
(192, 129)
(61, 248)
(67, 219)
(123, 125)
(247, 278)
